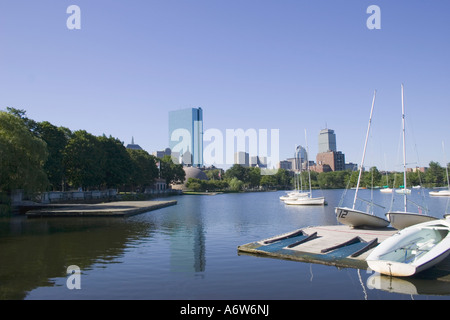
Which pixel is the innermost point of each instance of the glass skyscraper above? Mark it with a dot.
(186, 135)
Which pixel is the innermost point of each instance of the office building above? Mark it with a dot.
(186, 135)
(242, 158)
(327, 141)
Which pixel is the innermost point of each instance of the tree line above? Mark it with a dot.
(239, 178)
(39, 156)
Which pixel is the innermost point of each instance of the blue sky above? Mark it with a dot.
(264, 64)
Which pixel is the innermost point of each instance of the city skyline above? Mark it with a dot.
(290, 65)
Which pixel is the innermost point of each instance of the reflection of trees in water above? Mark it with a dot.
(34, 251)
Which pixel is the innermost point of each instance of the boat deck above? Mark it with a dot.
(336, 245)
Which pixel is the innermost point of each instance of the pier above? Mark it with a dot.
(335, 245)
(109, 209)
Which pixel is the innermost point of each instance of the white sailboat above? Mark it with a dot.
(442, 193)
(351, 216)
(386, 188)
(298, 192)
(403, 219)
(308, 200)
(412, 249)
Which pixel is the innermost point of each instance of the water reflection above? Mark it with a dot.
(187, 251)
(410, 286)
(34, 251)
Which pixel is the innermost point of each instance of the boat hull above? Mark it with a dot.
(306, 201)
(359, 219)
(401, 220)
(441, 193)
(386, 190)
(412, 250)
(294, 195)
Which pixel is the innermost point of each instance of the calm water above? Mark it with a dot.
(187, 251)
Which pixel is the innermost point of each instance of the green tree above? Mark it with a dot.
(269, 181)
(22, 156)
(56, 139)
(254, 176)
(115, 163)
(236, 184)
(170, 171)
(435, 174)
(237, 171)
(82, 160)
(143, 169)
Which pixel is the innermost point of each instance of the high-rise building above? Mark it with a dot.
(186, 135)
(327, 141)
(328, 154)
(241, 158)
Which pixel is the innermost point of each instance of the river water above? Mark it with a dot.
(189, 252)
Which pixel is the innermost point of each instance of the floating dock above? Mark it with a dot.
(335, 245)
(109, 209)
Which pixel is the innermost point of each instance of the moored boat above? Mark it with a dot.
(440, 193)
(403, 219)
(306, 201)
(400, 220)
(412, 250)
(358, 219)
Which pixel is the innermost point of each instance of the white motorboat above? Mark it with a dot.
(356, 218)
(412, 250)
(403, 219)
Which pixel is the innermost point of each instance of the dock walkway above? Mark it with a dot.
(336, 245)
(108, 209)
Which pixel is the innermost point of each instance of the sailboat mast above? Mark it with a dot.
(307, 164)
(364, 152)
(446, 166)
(404, 148)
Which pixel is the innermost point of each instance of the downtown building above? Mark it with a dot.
(186, 135)
(328, 158)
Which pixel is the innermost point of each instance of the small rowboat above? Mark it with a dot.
(412, 250)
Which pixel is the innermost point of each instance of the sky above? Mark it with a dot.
(291, 65)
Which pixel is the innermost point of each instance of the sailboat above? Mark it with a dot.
(309, 199)
(403, 219)
(442, 193)
(386, 188)
(351, 216)
(298, 192)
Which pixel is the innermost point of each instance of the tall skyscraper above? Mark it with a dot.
(327, 141)
(186, 135)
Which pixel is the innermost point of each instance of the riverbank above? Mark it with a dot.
(110, 209)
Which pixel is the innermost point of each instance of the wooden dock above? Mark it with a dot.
(109, 209)
(336, 245)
